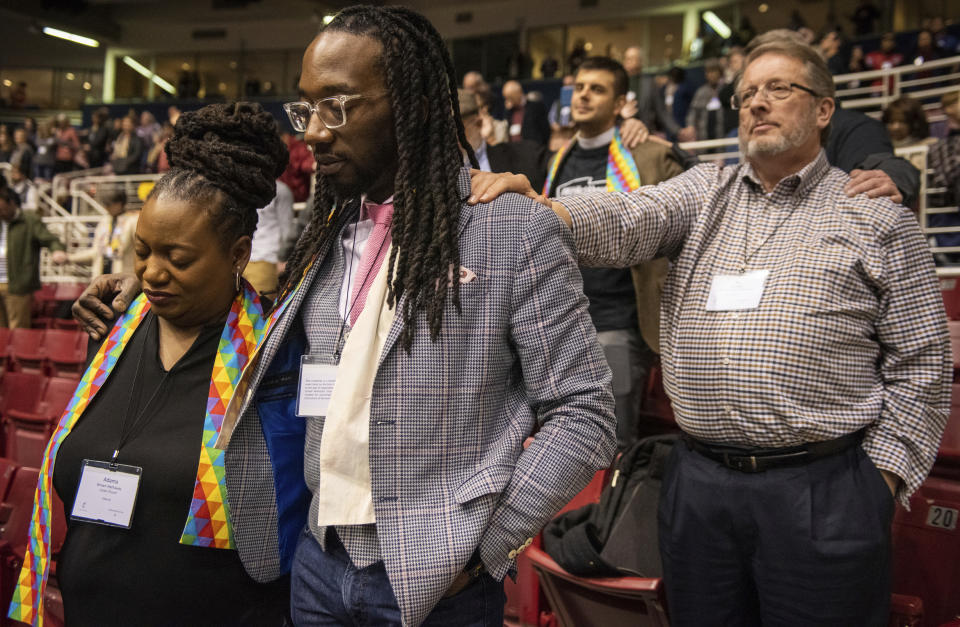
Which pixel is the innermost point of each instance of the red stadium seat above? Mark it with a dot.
(524, 596)
(947, 464)
(905, 611)
(582, 602)
(66, 323)
(8, 468)
(4, 347)
(20, 391)
(951, 297)
(25, 352)
(656, 411)
(26, 438)
(65, 352)
(68, 292)
(926, 550)
(15, 513)
(56, 395)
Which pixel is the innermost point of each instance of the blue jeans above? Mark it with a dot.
(327, 589)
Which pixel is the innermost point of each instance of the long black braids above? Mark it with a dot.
(425, 256)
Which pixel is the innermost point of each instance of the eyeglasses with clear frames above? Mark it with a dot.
(775, 90)
(331, 112)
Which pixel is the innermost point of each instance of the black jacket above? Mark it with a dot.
(535, 126)
(524, 157)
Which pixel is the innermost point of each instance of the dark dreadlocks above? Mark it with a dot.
(226, 157)
(418, 72)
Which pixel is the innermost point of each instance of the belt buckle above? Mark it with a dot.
(743, 463)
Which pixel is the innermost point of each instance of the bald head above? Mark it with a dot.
(513, 94)
(473, 82)
(633, 60)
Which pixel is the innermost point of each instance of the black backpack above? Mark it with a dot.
(618, 536)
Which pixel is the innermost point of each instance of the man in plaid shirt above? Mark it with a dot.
(805, 351)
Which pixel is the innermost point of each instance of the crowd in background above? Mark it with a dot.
(676, 103)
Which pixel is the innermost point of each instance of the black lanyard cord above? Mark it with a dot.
(124, 433)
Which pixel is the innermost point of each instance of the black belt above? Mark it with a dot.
(759, 460)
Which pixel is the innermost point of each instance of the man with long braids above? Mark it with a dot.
(376, 444)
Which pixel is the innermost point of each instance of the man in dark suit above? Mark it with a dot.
(527, 119)
(644, 102)
(524, 156)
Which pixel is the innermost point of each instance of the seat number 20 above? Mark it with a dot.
(942, 517)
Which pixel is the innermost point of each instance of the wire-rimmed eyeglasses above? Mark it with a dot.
(775, 90)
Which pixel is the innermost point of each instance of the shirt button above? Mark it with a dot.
(512, 554)
(726, 361)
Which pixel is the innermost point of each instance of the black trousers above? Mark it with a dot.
(805, 545)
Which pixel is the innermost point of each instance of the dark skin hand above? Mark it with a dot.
(91, 309)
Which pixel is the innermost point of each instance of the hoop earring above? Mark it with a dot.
(237, 275)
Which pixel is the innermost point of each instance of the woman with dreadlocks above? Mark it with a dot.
(376, 451)
(149, 537)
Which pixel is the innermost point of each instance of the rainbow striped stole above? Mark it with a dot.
(622, 174)
(208, 521)
(27, 600)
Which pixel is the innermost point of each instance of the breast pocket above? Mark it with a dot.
(827, 277)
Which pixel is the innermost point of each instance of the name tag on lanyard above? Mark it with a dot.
(318, 375)
(737, 292)
(107, 493)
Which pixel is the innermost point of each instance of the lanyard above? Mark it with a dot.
(124, 433)
(338, 347)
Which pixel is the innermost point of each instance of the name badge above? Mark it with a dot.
(514, 130)
(714, 104)
(107, 493)
(737, 292)
(318, 374)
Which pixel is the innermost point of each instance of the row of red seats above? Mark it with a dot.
(30, 408)
(18, 484)
(55, 352)
(53, 299)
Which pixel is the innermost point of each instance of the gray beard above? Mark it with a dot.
(763, 147)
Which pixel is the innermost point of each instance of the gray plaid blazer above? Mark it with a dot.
(448, 421)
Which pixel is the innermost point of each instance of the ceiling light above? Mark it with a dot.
(7, 82)
(143, 71)
(588, 46)
(717, 24)
(70, 76)
(763, 8)
(185, 67)
(87, 85)
(77, 39)
(327, 19)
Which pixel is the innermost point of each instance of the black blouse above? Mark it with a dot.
(143, 575)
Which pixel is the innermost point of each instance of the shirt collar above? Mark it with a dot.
(798, 183)
(363, 206)
(603, 139)
(481, 152)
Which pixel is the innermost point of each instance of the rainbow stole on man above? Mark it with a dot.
(622, 174)
(208, 521)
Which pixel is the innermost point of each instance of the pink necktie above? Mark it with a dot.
(373, 255)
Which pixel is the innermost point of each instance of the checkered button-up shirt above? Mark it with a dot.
(850, 332)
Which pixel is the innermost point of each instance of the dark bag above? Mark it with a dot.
(618, 536)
